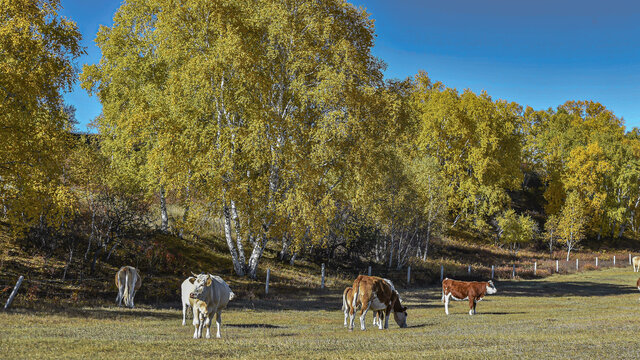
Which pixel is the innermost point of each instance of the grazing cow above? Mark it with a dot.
(636, 263)
(128, 281)
(377, 294)
(638, 284)
(210, 296)
(187, 288)
(474, 291)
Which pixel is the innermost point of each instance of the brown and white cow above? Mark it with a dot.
(636, 263)
(638, 284)
(473, 291)
(128, 281)
(377, 294)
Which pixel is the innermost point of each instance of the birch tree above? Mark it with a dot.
(572, 222)
(477, 143)
(37, 51)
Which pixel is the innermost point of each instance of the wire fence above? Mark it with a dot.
(431, 272)
(435, 271)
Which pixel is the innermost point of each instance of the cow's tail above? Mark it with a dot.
(356, 294)
(127, 301)
(344, 301)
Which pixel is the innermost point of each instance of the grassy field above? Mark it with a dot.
(593, 314)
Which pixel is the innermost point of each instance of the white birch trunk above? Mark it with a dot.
(237, 265)
(256, 254)
(164, 216)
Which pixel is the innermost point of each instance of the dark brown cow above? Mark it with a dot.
(474, 291)
(371, 292)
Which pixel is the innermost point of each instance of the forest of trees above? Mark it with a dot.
(273, 118)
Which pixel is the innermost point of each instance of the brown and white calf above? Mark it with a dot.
(377, 294)
(347, 300)
(636, 263)
(473, 291)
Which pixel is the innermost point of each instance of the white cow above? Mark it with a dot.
(187, 288)
(128, 281)
(636, 263)
(210, 296)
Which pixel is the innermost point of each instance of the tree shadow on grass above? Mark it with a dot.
(418, 326)
(558, 289)
(257, 326)
(99, 313)
(500, 313)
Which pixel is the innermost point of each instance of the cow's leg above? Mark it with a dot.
(218, 323)
(120, 295)
(387, 312)
(196, 322)
(352, 317)
(184, 314)
(133, 293)
(446, 303)
(346, 316)
(363, 311)
(207, 324)
(203, 320)
(384, 317)
(375, 318)
(472, 305)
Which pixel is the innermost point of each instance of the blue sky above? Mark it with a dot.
(539, 53)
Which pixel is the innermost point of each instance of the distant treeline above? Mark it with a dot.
(273, 119)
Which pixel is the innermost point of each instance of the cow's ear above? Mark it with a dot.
(208, 281)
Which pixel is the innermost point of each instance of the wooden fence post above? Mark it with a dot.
(513, 274)
(409, 274)
(266, 284)
(596, 261)
(556, 265)
(469, 270)
(614, 260)
(629, 258)
(492, 271)
(14, 292)
(369, 272)
(441, 273)
(322, 281)
(576, 263)
(535, 268)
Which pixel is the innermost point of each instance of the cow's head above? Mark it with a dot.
(199, 284)
(491, 289)
(399, 312)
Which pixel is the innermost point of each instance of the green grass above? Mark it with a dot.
(592, 314)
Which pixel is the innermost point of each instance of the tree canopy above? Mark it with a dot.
(37, 48)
